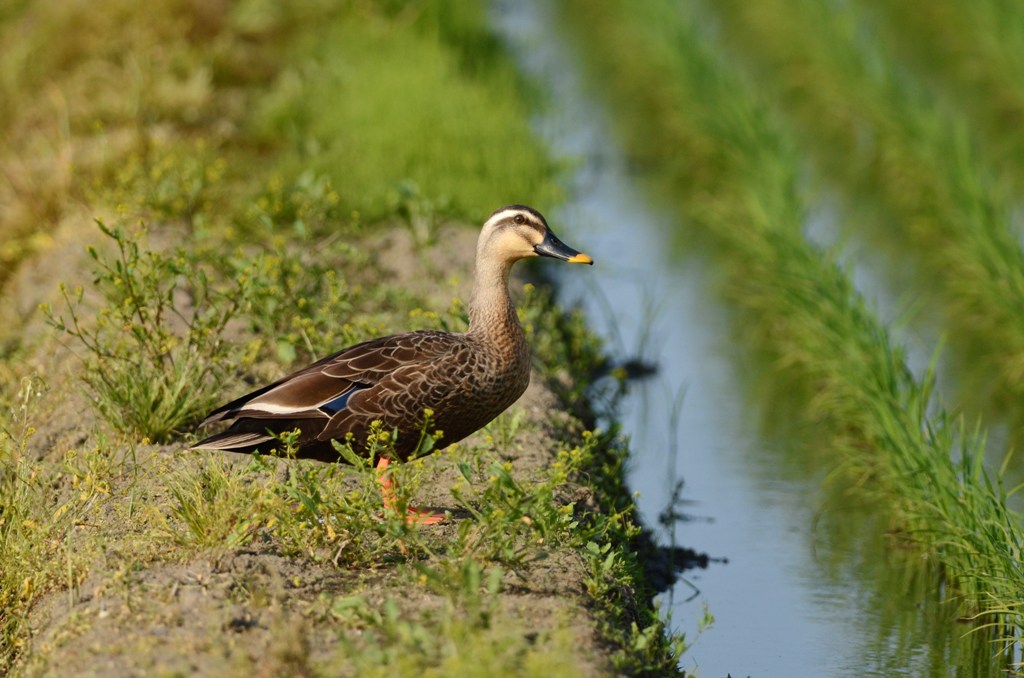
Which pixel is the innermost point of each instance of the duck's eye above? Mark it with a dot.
(519, 219)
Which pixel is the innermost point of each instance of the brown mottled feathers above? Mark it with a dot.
(392, 379)
(465, 379)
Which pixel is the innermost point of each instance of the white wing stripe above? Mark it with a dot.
(272, 408)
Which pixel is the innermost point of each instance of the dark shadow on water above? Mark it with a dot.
(664, 565)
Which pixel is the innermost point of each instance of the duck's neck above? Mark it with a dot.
(491, 313)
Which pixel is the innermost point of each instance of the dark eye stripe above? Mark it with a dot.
(522, 220)
(518, 216)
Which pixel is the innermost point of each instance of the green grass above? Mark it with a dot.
(417, 163)
(727, 163)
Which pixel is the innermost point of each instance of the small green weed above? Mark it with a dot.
(39, 508)
(219, 505)
(465, 584)
(293, 304)
(514, 522)
(155, 351)
(504, 430)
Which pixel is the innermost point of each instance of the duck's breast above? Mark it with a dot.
(483, 384)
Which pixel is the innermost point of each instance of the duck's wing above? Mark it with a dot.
(322, 390)
(423, 376)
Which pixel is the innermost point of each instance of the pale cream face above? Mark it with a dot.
(516, 232)
(512, 234)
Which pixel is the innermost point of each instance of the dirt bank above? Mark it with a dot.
(143, 586)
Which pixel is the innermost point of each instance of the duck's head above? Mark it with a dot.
(517, 232)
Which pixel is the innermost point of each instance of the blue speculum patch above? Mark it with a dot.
(332, 407)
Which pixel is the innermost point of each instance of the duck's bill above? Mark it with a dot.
(551, 246)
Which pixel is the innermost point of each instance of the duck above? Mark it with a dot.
(462, 381)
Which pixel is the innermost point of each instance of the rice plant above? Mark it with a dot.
(912, 172)
(970, 54)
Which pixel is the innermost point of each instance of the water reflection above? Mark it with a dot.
(811, 586)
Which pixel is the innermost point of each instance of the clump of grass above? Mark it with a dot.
(218, 506)
(40, 508)
(470, 634)
(515, 522)
(734, 174)
(153, 362)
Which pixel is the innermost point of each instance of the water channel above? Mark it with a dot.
(801, 588)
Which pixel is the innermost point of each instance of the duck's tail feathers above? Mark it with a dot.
(236, 441)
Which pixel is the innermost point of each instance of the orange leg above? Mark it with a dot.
(387, 492)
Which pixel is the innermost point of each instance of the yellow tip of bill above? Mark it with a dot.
(580, 259)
